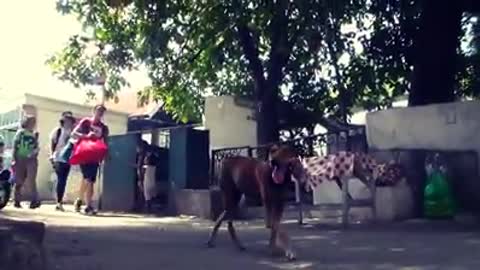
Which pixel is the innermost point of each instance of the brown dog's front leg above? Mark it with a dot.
(283, 242)
(268, 217)
(273, 242)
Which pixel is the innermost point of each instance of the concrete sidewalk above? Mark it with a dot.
(121, 242)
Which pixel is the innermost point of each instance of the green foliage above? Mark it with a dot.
(188, 48)
(380, 73)
(338, 53)
(468, 75)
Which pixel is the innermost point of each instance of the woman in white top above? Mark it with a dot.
(149, 182)
(58, 140)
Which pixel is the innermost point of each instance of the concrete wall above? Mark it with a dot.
(451, 126)
(451, 129)
(230, 124)
(48, 112)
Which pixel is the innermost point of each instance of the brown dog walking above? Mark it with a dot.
(267, 180)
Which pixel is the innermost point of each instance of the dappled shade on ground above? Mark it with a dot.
(136, 242)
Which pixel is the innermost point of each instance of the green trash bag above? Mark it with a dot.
(438, 199)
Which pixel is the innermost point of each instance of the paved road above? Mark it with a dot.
(122, 242)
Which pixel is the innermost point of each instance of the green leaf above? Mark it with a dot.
(190, 48)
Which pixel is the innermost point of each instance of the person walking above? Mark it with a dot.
(150, 179)
(25, 161)
(58, 140)
(139, 174)
(90, 128)
(146, 169)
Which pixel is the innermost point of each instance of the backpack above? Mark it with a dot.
(21, 148)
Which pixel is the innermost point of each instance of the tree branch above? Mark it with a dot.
(250, 50)
(281, 44)
(279, 51)
(334, 54)
(472, 6)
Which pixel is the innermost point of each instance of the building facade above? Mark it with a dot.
(48, 111)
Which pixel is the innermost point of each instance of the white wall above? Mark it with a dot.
(230, 125)
(451, 126)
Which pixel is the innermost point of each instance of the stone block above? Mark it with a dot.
(192, 202)
(393, 204)
(34, 231)
(21, 245)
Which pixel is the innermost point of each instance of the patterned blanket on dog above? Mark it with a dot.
(340, 165)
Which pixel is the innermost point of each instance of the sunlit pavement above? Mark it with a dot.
(115, 241)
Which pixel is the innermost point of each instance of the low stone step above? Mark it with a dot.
(21, 245)
(292, 212)
(34, 231)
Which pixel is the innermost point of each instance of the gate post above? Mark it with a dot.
(189, 158)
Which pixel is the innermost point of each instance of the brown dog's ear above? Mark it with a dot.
(271, 152)
(274, 148)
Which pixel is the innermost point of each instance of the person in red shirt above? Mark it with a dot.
(91, 127)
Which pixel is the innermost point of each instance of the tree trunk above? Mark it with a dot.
(267, 86)
(434, 72)
(266, 90)
(436, 53)
(267, 116)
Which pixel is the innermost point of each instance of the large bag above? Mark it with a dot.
(439, 202)
(88, 151)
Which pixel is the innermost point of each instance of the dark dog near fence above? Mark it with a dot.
(267, 180)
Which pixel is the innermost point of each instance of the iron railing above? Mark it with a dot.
(319, 144)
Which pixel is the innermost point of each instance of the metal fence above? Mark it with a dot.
(319, 144)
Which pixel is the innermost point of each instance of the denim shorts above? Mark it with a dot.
(89, 171)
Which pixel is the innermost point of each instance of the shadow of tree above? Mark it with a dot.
(144, 243)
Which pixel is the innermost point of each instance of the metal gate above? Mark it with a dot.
(117, 180)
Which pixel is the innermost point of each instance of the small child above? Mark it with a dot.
(5, 187)
(4, 172)
(2, 147)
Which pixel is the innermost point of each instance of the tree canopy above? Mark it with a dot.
(325, 56)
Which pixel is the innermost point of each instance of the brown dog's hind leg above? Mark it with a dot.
(213, 235)
(231, 206)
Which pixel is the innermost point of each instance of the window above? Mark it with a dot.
(10, 119)
(164, 139)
